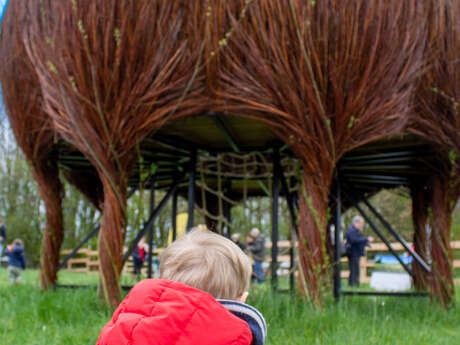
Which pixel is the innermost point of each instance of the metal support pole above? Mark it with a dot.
(228, 209)
(77, 248)
(337, 232)
(383, 238)
(290, 202)
(295, 197)
(401, 240)
(292, 263)
(150, 230)
(228, 217)
(191, 189)
(294, 229)
(174, 215)
(152, 217)
(275, 214)
(87, 238)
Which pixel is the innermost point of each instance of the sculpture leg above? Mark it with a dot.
(51, 191)
(420, 199)
(111, 237)
(313, 205)
(441, 280)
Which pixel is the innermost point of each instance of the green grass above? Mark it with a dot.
(28, 316)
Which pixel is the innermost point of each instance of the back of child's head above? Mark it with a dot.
(209, 262)
(18, 243)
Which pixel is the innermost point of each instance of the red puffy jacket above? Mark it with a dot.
(162, 312)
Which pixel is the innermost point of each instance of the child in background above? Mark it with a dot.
(138, 259)
(16, 260)
(198, 300)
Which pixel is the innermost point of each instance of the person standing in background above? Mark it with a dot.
(2, 236)
(355, 243)
(16, 260)
(256, 244)
(138, 255)
(236, 239)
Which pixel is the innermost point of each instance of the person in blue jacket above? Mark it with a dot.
(355, 243)
(16, 260)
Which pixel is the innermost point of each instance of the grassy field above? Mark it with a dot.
(69, 317)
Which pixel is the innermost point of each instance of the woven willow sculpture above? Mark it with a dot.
(325, 76)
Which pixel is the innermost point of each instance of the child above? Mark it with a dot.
(138, 259)
(16, 260)
(184, 306)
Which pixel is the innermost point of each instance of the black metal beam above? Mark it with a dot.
(79, 246)
(377, 156)
(295, 197)
(191, 189)
(275, 215)
(220, 124)
(383, 293)
(174, 215)
(152, 217)
(294, 234)
(380, 178)
(381, 236)
(228, 209)
(88, 237)
(73, 286)
(150, 231)
(228, 216)
(401, 240)
(290, 202)
(172, 142)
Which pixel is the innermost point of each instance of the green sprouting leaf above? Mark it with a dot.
(51, 67)
(350, 123)
(452, 156)
(153, 168)
(117, 36)
(144, 175)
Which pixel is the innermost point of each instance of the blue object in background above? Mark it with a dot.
(388, 259)
(3, 4)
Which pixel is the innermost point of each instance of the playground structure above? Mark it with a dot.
(362, 95)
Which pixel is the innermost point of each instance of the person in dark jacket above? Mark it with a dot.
(236, 238)
(355, 248)
(256, 244)
(2, 236)
(16, 260)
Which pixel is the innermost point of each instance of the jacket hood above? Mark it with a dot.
(162, 312)
(252, 316)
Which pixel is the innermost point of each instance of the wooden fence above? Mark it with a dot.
(367, 262)
(87, 260)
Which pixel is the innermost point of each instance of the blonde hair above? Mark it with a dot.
(209, 262)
